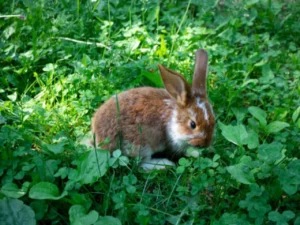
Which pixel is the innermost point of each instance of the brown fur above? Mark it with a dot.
(143, 114)
(144, 123)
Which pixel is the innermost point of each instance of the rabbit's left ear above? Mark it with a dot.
(200, 73)
(175, 84)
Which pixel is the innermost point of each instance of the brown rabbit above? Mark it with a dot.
(144, 121)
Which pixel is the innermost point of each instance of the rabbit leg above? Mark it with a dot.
(156, 163)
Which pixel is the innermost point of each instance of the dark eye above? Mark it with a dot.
(193, 125)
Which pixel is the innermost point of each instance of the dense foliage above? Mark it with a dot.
(61, 59)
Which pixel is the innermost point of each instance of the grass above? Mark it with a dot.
(60, 60)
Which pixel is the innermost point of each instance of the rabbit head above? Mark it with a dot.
(192, 121)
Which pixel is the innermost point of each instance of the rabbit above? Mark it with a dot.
(145, 121)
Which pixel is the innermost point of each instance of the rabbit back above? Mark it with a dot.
(134, 121)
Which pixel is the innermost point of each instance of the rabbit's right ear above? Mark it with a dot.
(200, 73)
(175, 84)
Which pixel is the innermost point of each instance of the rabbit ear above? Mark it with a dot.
(200, 72)
(175, 84)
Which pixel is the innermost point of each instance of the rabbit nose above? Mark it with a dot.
(200, 143)
(196, 142)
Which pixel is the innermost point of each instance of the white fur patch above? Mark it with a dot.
(158, 164)
(168, 102)
(201, 134)
(192, 114)
(176, 137)
(202, 106)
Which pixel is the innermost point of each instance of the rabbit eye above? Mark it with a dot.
(193, 125)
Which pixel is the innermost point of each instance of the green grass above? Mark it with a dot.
(60, 60)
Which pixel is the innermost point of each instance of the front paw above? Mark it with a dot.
(156, 163)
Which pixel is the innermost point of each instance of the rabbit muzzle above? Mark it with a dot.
(200, 142)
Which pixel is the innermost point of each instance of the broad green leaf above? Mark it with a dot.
(92, 165)
(251, 3)
(290, 177)
(239, 113)
(29, 3)
(117, 153)
(226, 34)
(184, 162)
(289, 185)
(232, 219)
(113, 162)
(45, 190)
(86, 60)
(62, 172)
(298, 123)
(216, 157)
(15, 212)
(123, 160)
(288, 215)
(203, 163)
(281, 219)
(252, 140)
(261, 63)
(258, 114)
(193, 152)
(242, 172)
(267, 74)
(180, 169)
(256, 203)
(108, 220)
(297, 221)
(46, 169)
(40, 208)
(75, 212)
(56, 148)
(13, 96)
(133, 44)
(49, 67)
(131, 189)
(249, 81)
(28, 55)
(119, 199)
(296, 114)
(153, 13)
(276, 126)
(79, 216)
(130, 179)
(75, 198)
(2, 119)
(153, 77)
(269, 153)
(236, 134)
(12, 190)
(8, 32)
(290, 188)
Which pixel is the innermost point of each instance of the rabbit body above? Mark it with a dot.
(144, 121)
(140, 127)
